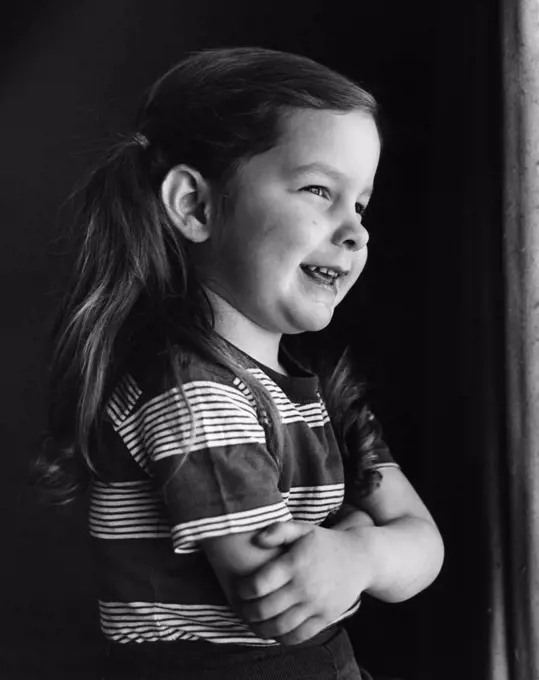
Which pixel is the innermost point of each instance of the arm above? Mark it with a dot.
(390, 548)
(288, 597)
(234, 556)
(403, 545)
(391, 542)
(391, 536)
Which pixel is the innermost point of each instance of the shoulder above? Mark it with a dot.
(160, 380)
(162, 371)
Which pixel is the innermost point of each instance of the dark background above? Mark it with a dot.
(424, 320)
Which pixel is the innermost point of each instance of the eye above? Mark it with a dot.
(360, 209)
(318, 191)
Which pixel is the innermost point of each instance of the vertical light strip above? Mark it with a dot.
(520, 26)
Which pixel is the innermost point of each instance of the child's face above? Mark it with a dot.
(297, 205)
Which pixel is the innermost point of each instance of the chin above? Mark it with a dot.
(310, 324)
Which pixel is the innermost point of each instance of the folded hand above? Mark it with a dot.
(305, 588)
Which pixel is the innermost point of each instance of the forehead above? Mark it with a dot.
(349, 141)
(311, 141)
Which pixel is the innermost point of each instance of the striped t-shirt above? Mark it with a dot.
(153, 504)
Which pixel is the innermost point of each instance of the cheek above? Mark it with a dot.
(283, 239)
(269, 231)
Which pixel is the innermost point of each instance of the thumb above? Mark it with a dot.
(282, 533)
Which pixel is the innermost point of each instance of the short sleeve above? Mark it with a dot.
(207, 452)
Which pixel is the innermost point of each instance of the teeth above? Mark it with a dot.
(324, 270)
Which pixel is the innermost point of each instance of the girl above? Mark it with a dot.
(233, 216)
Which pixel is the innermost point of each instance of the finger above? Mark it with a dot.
(282, 533)
(272, 576)
(269, 607)
(284, 624)
(305, 631)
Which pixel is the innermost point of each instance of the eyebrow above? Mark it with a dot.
(328, 170)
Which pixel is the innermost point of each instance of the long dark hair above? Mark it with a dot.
(133, 287)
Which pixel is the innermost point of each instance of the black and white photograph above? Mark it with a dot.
(270, 292)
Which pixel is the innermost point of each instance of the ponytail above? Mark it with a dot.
(125, 255)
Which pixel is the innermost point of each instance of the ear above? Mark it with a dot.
(186, 197)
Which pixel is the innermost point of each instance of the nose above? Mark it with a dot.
(351, 234)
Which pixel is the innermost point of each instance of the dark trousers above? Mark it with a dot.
(329, 656)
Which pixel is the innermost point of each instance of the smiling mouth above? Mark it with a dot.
(325, 276)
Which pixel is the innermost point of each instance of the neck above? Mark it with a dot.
(245, 334)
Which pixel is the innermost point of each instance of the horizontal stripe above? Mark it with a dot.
(314, 503)
(138, 534)
(134, 510)
(218, 415)
(315, 415)
(150, 622)
(127, 510)
(312, 516)
(198, 394)
(316, 491)
(186, 536)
